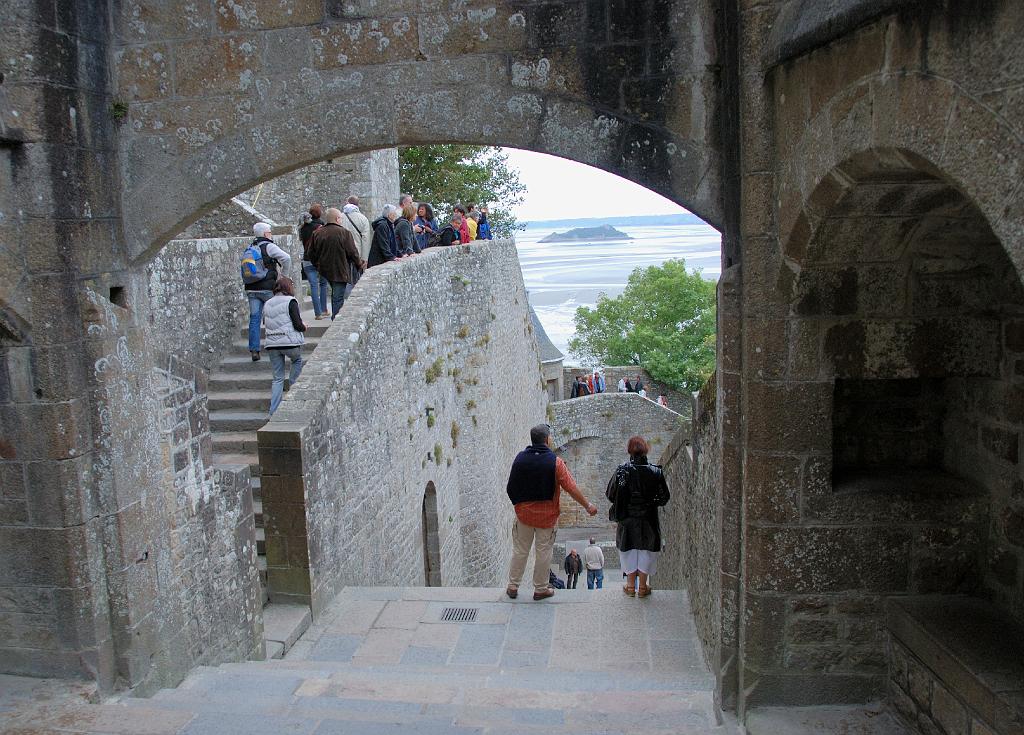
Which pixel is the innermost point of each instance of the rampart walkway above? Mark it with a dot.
(383, 661)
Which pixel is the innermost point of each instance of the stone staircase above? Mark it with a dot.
(238, 402)
(388, 661)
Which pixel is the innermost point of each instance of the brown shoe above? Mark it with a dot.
(543, 594)
(512, 592)
(644, 592)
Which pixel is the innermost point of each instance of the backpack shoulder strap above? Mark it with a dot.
(349, 217)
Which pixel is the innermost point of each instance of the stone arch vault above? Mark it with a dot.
(223, 98)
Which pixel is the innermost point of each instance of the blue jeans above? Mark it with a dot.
(595, 576)
(337, 297)
(317, 288)
(256, 301)
(277, 362)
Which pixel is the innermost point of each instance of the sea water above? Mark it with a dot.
(562, 276)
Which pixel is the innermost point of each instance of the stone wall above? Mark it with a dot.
(196, 299)
(371, 176)
(417, 391)
(677, 401)
(591, 434)
(692, 561)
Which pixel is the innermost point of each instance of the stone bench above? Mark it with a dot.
(956, 666)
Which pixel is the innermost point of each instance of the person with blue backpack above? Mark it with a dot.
(483, 231)
(259, 266)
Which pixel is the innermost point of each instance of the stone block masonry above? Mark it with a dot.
(433, 377)
(591, 434)
(195, 297)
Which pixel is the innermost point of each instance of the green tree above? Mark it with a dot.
(664, 321)
(446, 175)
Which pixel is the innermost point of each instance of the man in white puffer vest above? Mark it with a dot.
(284, 338)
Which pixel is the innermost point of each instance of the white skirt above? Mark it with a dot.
(638, 561)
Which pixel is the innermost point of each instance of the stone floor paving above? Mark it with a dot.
(384, 661)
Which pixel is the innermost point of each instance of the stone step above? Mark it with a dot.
(235, 442)
(284, 624)
(237, 420)
(257, 514)
(238, 381)
(241, 346)
(239, 458)
(261, 541)
(240, 400)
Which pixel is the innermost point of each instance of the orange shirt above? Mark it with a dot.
(544, 513)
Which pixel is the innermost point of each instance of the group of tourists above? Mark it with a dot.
(591, 384)
(338, 245)
(635, 491)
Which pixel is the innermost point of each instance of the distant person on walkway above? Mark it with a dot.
(636, 491)
(639, 384)
(404, 234)
(574, 392)
(355, 222)
(334, 253)
(383, 247)
(473, 223)
(263, 274)
(463, 227)
(662, 401)
(590, 383)
(427, 229)
(403, 200)
(598, 382)
(584, 388)
(642, 392)
(629, 386)
(593, 557)
(285, 338)
(483, 231)
(450, 232)
(573, 567)
(535, 484)
(622, 385)
(311, 222)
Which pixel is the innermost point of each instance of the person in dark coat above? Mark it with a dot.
(450, 232)
(636, 491)
(384, 247)
(573, 567)
(405, 235)
(333, 252)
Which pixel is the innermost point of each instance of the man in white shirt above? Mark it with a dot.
(355, 222)
(622, 385)
(593, 558)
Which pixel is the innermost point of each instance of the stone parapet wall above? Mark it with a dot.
(429, 375)
(591, 434)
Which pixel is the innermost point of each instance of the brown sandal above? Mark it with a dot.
(629, 591)
(644, 592)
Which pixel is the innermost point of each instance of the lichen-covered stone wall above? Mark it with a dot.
(195, 297)
(591, 434)
(433, 377)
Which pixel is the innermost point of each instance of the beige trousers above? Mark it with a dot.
(543, 541)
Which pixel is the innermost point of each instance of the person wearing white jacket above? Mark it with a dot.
(355, 222)
(284, 337)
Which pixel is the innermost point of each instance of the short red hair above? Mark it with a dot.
(638, 447)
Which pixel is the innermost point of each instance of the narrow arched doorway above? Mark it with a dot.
(431, 545)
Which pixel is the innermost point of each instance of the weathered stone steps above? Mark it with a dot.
(234, 442)
(239, 420)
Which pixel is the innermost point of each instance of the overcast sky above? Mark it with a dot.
(562, 189)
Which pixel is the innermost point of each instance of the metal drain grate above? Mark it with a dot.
(459, 614)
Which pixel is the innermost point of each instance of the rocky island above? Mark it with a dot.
(587, 234)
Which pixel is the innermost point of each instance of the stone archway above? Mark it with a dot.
(217, 104)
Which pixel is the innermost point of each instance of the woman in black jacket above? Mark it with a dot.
(405, 236)
(636, 491)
